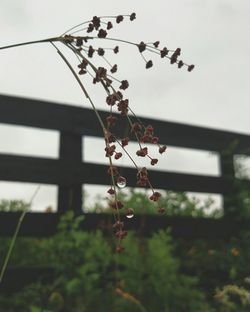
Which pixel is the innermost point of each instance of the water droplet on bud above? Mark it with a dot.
(129, 213)
(121, 182)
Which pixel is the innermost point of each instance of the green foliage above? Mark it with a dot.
(13, 205)
(176, 204)
(233, 298)
(90, 277)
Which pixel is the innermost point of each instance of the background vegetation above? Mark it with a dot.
(154, 274)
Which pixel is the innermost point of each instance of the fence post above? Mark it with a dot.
(70, 193)
(230, 201)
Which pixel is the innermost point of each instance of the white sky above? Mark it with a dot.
(213, 34)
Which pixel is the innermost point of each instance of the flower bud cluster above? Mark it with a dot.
(115, 147)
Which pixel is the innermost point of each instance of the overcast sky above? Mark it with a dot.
(213, 34)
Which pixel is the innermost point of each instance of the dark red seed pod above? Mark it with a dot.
(161, 210)
(114, 69)
(111, 191)
(116, 50)
(123, 107)
(111, 138)
(154, 161)
(142, 152)
(116, 204)
(149, 64)
(180, 64)
(164, 52)
(162, 149)
(119, 249)
(141, 46)
(119, 19)
(173, 59)
(83, 64)
(145, 138)
(149, 129)
(111, 120)
(118, 155)
(109, 25)
(136, 127)
(132, 16)
(100, 51)
(96, 22)
(155, 196)
(102, 33)
(90, 28)
(156, 44)
(125, 141)
(121, 234)
(118, 225)
(154, 140)
(177, 51)
(90, 51)
(124, 85)
(113, 170)
(190, 68)
(82, 71)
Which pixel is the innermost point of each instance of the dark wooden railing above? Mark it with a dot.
(69, 172)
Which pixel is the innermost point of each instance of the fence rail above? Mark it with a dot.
(69, 172)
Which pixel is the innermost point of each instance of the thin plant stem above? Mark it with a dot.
(54, 39)
(14, 237)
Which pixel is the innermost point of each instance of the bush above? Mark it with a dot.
(89, 277)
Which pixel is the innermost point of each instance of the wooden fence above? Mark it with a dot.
(69, 172)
